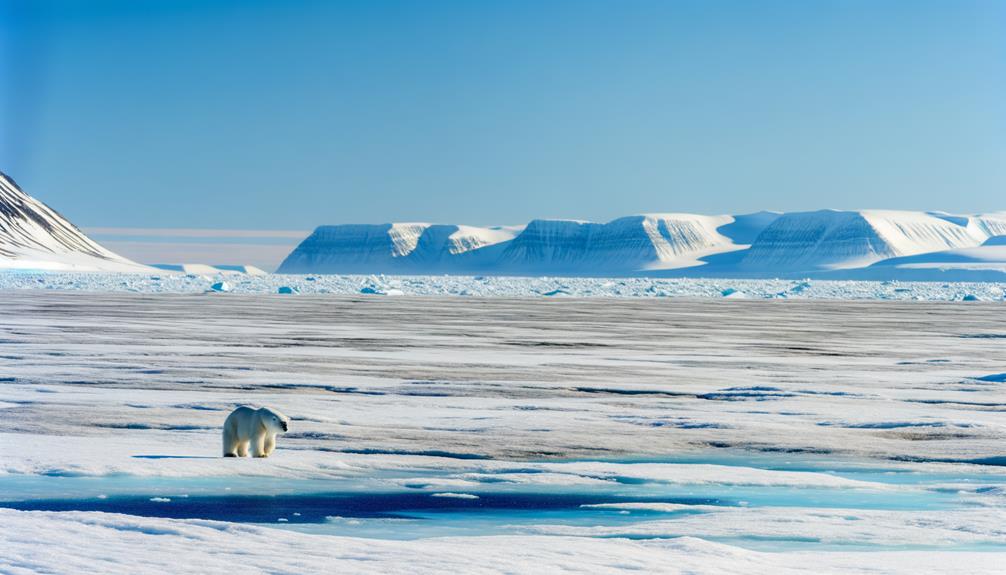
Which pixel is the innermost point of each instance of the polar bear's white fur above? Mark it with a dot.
(255, 427)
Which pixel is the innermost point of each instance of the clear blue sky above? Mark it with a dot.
(288, 114)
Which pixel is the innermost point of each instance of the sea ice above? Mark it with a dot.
(501, 286)
(793, 426)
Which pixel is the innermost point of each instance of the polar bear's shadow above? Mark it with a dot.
(174, 457)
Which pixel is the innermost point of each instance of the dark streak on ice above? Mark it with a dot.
(422, 453)
(616, 391)
(317, 508)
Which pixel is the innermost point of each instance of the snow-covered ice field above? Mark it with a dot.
(505, 286)
(468, 434)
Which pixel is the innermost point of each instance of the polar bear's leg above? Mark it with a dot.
(230, 442)
(258, 445)
(270, 444)
(243, 449)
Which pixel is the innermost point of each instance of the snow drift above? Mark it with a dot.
(34, 237)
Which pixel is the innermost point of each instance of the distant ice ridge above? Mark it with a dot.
(34, 237)
(826, 244)
(644, 242)
(830, 240)
(622, 246)
(208, 270)
(863, 244)
(388, 248)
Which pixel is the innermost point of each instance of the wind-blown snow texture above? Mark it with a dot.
(827, 243)
(891, 408)
(126, 545)
(33, 236)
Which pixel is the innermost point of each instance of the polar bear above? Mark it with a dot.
(258, 427)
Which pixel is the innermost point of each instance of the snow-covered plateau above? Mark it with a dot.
(865, 244)
(489, 435)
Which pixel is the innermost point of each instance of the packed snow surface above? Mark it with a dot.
(122, 544)
(502, 435)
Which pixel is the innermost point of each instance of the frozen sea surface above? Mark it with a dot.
(381, 506)
(502, 286)
(495, 434)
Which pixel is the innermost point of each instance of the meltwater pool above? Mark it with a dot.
(403, 505)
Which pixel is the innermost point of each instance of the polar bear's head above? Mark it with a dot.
(274, 420)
